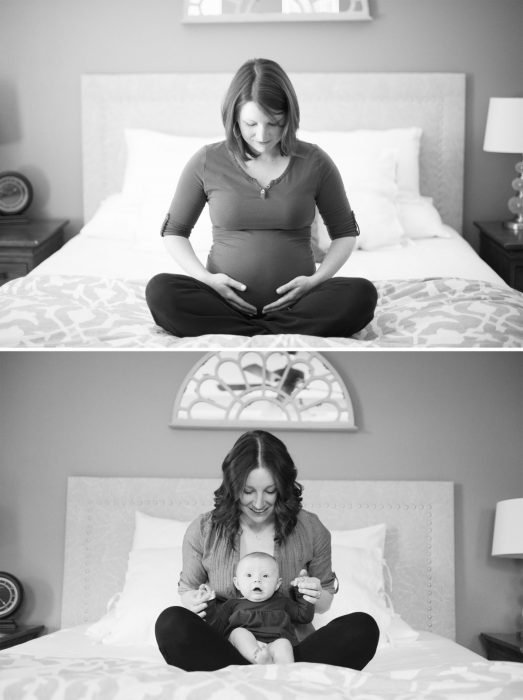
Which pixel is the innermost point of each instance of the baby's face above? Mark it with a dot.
(257, 579)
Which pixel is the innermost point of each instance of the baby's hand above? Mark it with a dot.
(300, 579)
(307, 586)
(205, 593)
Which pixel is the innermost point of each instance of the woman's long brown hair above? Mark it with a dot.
(257, 448)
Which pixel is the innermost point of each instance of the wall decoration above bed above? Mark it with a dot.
(290, 390)
(274, 10)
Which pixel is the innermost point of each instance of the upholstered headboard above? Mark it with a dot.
(189, 104)
(419, 545)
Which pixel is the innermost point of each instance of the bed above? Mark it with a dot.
(398, 140)
(122, 537)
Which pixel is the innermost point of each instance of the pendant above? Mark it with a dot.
(263, 193)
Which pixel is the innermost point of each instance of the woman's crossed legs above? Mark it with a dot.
(188, 642)
(185, 307)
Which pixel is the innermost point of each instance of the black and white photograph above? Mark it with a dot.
(261, 333)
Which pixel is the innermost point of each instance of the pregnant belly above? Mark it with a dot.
(262, 260)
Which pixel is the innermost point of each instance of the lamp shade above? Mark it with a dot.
(508, 529)
(504, 130)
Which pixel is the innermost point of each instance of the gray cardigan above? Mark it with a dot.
(207, 559)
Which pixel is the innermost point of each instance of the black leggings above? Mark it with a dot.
(338, 307)
(188, 642)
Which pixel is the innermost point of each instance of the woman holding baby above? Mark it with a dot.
(257, 509)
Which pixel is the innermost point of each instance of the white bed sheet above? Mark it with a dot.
(67, 666)
(428, 650)
(434, 292)
(415, 259)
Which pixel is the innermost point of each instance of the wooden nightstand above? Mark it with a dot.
(24, 246)
(502, 249)
(23, 634)
(503, 647)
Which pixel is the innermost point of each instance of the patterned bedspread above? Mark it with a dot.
(28, 678)
(98, 312)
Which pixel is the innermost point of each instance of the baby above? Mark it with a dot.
(260, 624)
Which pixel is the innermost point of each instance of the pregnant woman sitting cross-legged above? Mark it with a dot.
(263, 186)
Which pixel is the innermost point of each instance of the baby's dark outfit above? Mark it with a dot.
(267, 620)
(262, 238)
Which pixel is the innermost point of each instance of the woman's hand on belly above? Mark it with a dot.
(290, 293)
(338, 252)
(225, 286)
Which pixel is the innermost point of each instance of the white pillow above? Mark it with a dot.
(420, 218)
(378, 167)
(115, 219)
(151, 585)
(362, 589)
(151, 532)
(155, 160)
(154, 164)
(378, 218)
(151, 582)
(359, 563)
(367, 145)
(370, 537)
(400, 631)
(374, 170)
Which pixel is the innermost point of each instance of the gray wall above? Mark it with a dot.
(46, 46)
(450, 416)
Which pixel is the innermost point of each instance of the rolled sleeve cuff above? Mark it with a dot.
(348, 228)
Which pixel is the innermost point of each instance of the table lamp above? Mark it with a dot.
(504, 134)
(508, 529)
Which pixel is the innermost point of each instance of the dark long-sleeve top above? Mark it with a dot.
(210, 559)
(268, 620)
(261, 235)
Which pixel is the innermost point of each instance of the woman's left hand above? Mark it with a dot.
(291, 292)
(309, 587)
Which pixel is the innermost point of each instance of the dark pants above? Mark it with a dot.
(338, 307)
(188, 642)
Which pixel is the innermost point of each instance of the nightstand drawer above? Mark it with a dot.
(517, 277)
(24, 633)
(507, 263)
(502, 647)
(10, 271)
(23, 246)
(499, 653)
(503, 251)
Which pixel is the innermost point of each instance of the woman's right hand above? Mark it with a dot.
(225, 286)
(196, 601)
(181, 250)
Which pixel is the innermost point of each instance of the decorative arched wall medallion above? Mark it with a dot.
(271, 389)
(274, 10)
